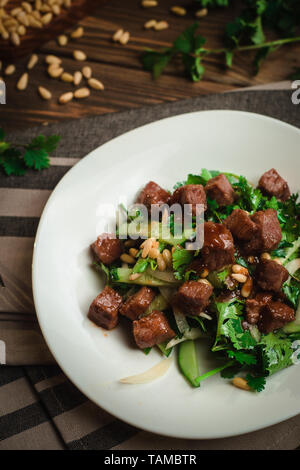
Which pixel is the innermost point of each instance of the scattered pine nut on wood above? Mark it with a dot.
(150, 24)
(10, 69)
(56, 9)
(161, 25)
(87, 72)
(46, 18)
(149, 3)
(55, 71)
(67, 77)
(79, 55)
(32, 61)
(52, 59)
(15, 38)
(118, 34)
(27, 7)
(82, 93)
(179, 11)
(21, 30)
(44, 93)
(77, 77)
(239, 382)
(77, 33)
(23, 82)
(201, 13)
(66, 97)
(62, 40)
(96, 84)
(22, 18)
(125, 38)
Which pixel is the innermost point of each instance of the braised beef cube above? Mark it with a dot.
(271, 275)
(137, 303)
(106, 248)
(268, 234)
(240, 225)
(153, 194)
(104, 308)
(193, 296)
(274, 316)
(219, 189)
(255, 306)
(152, 329)
(190, 194)
(272, 184)
(218, 247)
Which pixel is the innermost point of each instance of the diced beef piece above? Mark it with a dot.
(255, 306)
(271, 275)
(268, 234)
(240, 225)
(104, 308)
(106, 248)
(137, 303)
(190, 194)
(272, 184)
(274, 316)
(153, 194)
(219, 189)
(152, 329)
(218, 247)
(193, 296)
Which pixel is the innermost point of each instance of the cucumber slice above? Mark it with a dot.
(188, 363)
(145, 279)
(162, 347)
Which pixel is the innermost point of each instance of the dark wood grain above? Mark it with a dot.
(127, 85)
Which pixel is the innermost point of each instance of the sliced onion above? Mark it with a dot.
(193, 333)
(205, 315)
(166, 276)
(181, 321)
(149, 375)
(293, 266)
(167, 292)
(254, 332)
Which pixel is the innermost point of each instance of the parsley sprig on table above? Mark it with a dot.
(245, 33)
(16, 159)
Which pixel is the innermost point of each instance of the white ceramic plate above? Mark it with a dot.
(64, 282)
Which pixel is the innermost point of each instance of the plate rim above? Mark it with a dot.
(245, 428)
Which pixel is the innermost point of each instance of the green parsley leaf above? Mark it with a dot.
(242, 357)
(256, 383)
(276, 352)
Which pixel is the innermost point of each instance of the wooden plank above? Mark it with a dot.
(126, 84)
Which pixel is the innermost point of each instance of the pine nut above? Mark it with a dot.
(86, 72)
(3, 31)
(78, 33)
(79, 55)
(23, 82)
(82, 93)
(36, 14)
(22, 18)
(265, 256)
(134, 276)
(153, 253)
(117, 35)
(65, 97)
(179, 11)
(67, 3)
(27, 7)
(62, 40)
(238, 269)
(247, 288)
(239, 278)
(201, 13)
(67, 77)
(204, 281)
(96, 84)
(146, 245)
(204, 273)
(55, 71)
(127, 258)
(77, 77)
(166, 254)
(38, 4)
(150, 24)
(45, 94)
(56, 9)
(133, 252)
(129, 243)
(250, 259)
(46, 18)
(21, 30)
(239, 382)
(149, 3)
(52, 59)
(15, 38)
(15, 11)
(161, 264)
(277, 260)
(124, 38)
(161, 25)
(10, 69)
(33, 22)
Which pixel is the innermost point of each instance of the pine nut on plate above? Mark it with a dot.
(247, 288)
(239, 278)
(133, 252)
(44, 93)
(79, 55)
(127, 258)
(82, 93)
(96, 84)
(239, 382)
(238, 269)
(265, 256)
(65, 97)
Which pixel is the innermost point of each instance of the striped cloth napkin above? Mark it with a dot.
(39, 407)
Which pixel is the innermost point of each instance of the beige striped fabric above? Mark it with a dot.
(39, 407)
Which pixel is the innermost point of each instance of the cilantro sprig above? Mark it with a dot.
(16, 159)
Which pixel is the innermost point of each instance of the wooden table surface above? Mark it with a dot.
(127, 85)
